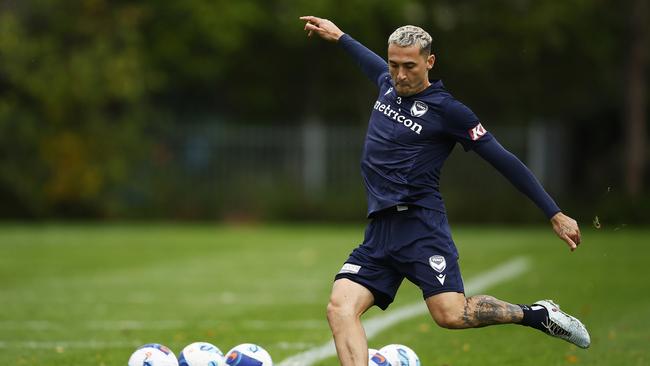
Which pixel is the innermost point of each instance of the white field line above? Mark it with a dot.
(375, 325)
(104, 325)
(113, 325)
(61, 346)
(227, 298)
(121, 325)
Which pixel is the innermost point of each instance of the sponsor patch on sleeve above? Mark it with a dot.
(477, 132)
(350, 268)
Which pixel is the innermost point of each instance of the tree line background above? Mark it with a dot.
(89, 90)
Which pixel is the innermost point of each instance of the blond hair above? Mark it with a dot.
(410, 35)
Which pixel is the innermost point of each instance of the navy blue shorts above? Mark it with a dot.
(415, 244)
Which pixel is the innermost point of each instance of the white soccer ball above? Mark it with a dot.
(201, 354)
(371, 352)
(248, 354)
(153, 354)
(375, 358)
(400, 355)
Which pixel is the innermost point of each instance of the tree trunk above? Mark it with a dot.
(635, 98)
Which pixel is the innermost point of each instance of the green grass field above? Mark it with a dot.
(88, 295)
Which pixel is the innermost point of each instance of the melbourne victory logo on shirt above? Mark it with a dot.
(419, 109)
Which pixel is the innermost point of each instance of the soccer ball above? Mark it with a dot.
(201, 354)
(376, 359)
(400, 355)
(248, 354)
(371, 352)
(153, 354)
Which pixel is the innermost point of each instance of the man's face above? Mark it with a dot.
(409, 69)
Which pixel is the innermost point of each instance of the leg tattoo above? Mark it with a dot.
(482, 310)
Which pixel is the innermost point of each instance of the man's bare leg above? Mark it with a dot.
(455, 311)
(348, 301)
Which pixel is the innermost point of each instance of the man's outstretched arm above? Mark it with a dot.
(521, 177)
(371, 64)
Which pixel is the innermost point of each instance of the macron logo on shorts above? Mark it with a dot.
(477, 132)
(350, 268)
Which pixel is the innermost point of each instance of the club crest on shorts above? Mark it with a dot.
(438, 263)
(419, 109)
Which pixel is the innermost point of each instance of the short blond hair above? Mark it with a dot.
(411, 35)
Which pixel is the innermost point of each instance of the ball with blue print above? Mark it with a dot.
(153, 354)
(201, 354)
(375, 358)
(371, 352)
(248, 354)
(400, 355)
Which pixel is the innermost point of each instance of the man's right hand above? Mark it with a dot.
(323, 27)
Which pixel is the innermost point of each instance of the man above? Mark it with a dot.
(413, 128)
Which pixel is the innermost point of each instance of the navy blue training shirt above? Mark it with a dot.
(409, 139)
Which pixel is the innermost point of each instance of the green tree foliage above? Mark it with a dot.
(74, 93)
(79, 82)
(86, 86)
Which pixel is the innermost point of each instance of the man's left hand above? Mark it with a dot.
(567, 229)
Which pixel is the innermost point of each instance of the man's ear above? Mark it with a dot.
(431, 60)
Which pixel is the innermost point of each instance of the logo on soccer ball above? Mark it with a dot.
(438, 263)
(477, 132)
(233, 356)
(419, 109)
(403, 356)
(400, 355)
(380, 360)
(248, 354)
